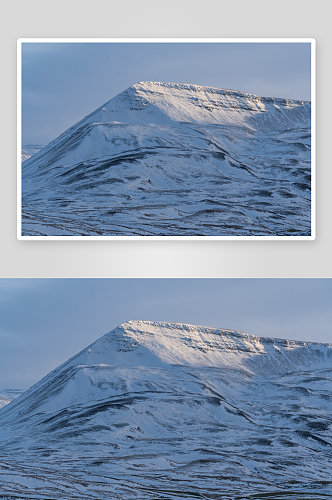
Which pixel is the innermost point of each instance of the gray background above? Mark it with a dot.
(164, 18)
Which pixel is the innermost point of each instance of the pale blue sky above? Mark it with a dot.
(63, 82)
(43, 322)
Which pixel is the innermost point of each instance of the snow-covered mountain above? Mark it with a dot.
(175, 159)
(167, 411)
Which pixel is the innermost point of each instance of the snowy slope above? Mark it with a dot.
(175, 159)
(157, 410)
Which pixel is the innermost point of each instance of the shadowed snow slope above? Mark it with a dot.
(175, 159)
(156, 410)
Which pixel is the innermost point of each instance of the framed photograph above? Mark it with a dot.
(166, 139)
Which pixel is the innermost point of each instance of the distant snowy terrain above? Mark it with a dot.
(158, 411)
(175, 160)
(29, 150)
(7, 395)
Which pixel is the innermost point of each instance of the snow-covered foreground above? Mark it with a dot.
(164, 159)
(174, 411)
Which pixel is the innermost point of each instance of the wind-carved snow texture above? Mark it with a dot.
(155, 411)
(165, 159)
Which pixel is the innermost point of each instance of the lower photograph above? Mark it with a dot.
(164, 389)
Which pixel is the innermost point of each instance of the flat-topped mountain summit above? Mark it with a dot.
(151, 343)
(175, 103)
(158, 102)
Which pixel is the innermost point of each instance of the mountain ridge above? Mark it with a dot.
(163, 344)
(134, 97)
